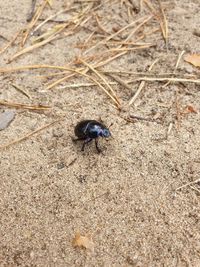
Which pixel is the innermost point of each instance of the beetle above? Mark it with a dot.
(87, 130)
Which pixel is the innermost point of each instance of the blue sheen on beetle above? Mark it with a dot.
(87, 130)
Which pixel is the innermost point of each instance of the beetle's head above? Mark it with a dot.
(106, 133)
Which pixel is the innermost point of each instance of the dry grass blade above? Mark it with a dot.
(28, 67)
(114, 34)
(164, 24)
(130, 49)
(82, 72)
(50, 86)
(52, 17)
(21, 90)
(24, 106)
(34, 46)
(120, 81)
(104, 89)
(10, 42)
(78, 85)
(188, 184)
(28, 135)
(102, 63)
(160, 79)
(138, 27)
(34, 20)
(100, 26)
(150, 7)
(101, 77)
(49, 75)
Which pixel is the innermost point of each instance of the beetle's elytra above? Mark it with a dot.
(87, 130)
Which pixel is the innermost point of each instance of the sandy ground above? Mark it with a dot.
(125, 198)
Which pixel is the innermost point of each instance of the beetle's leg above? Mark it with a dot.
(97, 147)
(85, 142)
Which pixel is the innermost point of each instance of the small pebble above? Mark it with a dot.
(5, 118)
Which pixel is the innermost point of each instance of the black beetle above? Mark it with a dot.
(88, 130)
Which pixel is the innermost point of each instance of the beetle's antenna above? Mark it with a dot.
(111, 124)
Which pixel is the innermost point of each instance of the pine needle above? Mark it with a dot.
(23, 106)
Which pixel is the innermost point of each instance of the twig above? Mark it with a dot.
(141, 118)
(77, 85)
(34, 46)
(83, 73)
(120, 81)
(154, 79)
(113, 35)
(33, 21)
(24, 106)
(188, 184)
(51, 17)
(28, 67)
(10, 42)
(164, 24)
(101, 77)
(20, 90)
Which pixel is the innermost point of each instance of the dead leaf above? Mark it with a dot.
(194, 59)
(83, 241)
(191, 109)
(5, 118)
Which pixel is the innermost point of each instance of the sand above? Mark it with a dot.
(125, 199)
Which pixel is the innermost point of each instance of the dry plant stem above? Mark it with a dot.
(34, 46)
(119, 49)
(138, 27)
(113, 35)
(195, 189)
(127, 43)
(163, 79)
(52, 74)
(164, 24)
(102, 63)
(120, 81)
(51, 17)
(21, 90)
(77, 85)
(95, 81)
(152, 74)
(151, 8)
(34, 20)
(188, 184)
(10, 42)
(28, 135)
(141, 86)
(101, 77)
(23, 106)
(28, 67)
(50, 86)
(90, 78)
(30, 48)
(100, 26)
